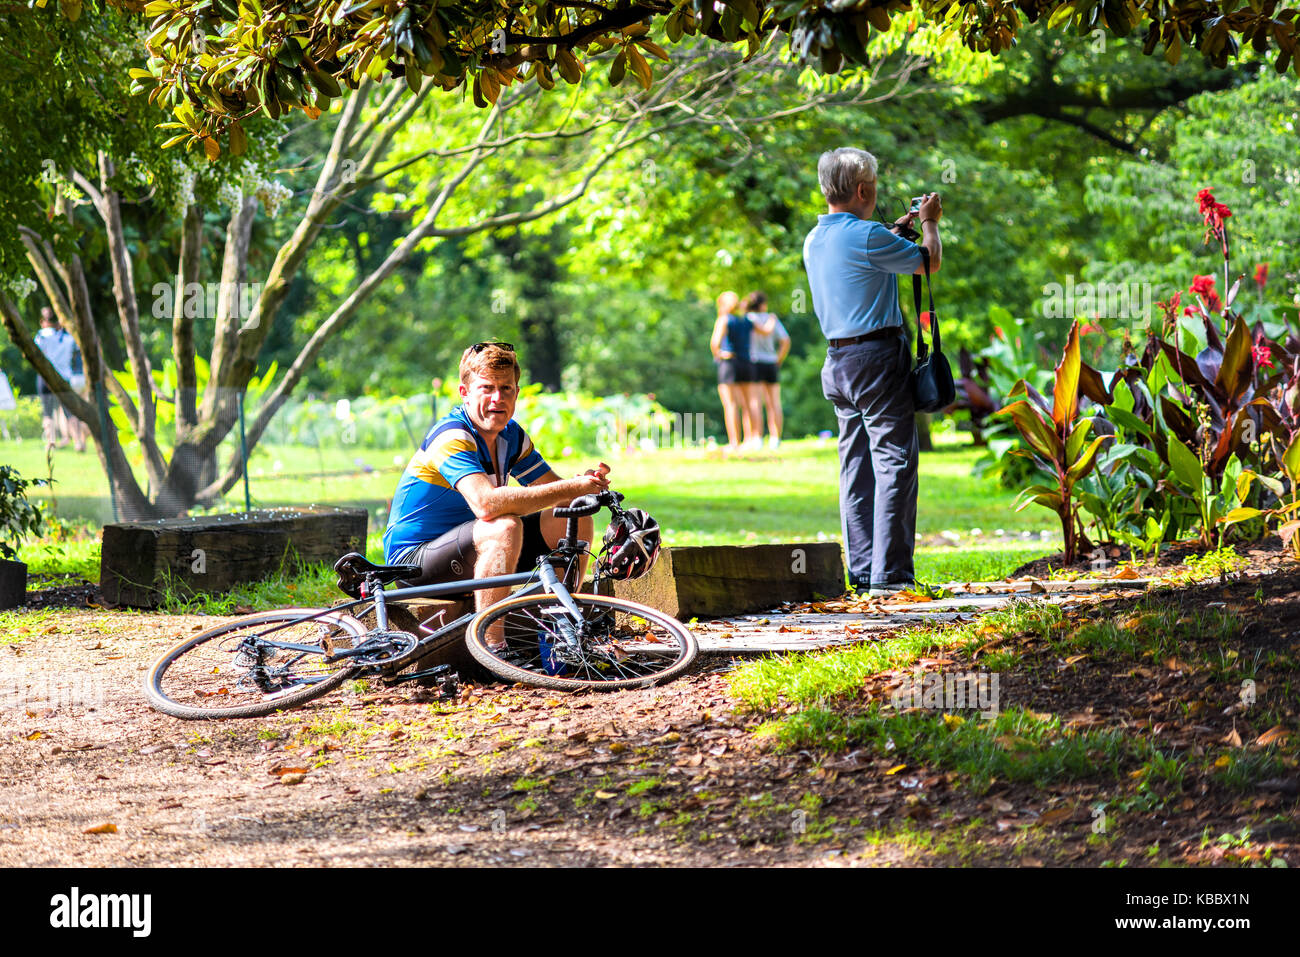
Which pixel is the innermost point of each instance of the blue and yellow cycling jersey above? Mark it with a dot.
(426, 503)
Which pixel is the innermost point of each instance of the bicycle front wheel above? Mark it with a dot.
(241, 669)
(619, 643)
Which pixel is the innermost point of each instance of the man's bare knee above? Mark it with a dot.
(502, 530)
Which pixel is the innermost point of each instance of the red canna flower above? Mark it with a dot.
(1212, 302)
(925, 321)
(1188, 311)
(1261, 274)
(1215, 213)
(1203, 286)
(1262, 354)
(997, 331)
(1210, 209)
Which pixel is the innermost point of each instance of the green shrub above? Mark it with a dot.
(19, 518)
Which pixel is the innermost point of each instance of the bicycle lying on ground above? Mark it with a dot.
(268, 662)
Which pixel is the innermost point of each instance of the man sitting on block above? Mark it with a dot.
(454, 513)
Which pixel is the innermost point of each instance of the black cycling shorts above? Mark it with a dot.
(766, 372)
(451, 556)
(732, 371)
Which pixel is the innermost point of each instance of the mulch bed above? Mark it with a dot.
(1267, 554)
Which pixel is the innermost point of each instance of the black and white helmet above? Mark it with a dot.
(631, 545)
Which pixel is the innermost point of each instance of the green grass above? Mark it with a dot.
(1016, 745)
(700, 498)
(817, 677)
(1152, 629)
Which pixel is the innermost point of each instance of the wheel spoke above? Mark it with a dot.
(617, 645)
(232, 670)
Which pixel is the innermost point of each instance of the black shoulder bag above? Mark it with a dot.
(932, 385)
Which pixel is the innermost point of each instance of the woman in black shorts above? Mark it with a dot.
(730, 347)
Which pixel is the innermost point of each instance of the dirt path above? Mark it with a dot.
(360, 778)
(91, 776)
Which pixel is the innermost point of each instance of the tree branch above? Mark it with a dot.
(110, 209)
(187, 271)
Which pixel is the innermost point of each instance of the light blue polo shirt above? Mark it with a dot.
(851, 266)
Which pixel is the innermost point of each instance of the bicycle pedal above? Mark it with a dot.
(435, 672)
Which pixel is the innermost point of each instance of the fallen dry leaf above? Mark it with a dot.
(1056, 816)
(1277, 734)
(281, 770)
(101, 829)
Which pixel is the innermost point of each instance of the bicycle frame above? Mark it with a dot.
(542, 579)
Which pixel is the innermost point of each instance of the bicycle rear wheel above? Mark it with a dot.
(239, 670)
(621, 644)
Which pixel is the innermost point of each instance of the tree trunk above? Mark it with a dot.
(923, 432)
(542, 355)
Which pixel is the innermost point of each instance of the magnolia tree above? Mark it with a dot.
(216, 63)
(441, 161)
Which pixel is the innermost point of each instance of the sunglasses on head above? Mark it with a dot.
(478, 347)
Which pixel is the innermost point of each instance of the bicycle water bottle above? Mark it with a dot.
(550, 663)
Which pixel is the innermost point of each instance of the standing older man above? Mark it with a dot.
(852, 261)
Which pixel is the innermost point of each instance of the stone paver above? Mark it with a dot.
(779, 631)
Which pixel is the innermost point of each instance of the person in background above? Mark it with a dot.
(58, 347)
(769, 344)
(730, 346)
(7, 403)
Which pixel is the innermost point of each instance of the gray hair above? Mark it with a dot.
(840, 171)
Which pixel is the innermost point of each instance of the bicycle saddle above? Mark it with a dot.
(354, 569)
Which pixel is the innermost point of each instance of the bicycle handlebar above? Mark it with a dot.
(585, 505)
(581, 506)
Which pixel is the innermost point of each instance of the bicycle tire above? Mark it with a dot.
(646, 652)
(204, 667)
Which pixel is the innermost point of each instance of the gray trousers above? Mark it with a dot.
(868, 383)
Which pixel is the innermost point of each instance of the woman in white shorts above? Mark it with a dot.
(769, 344)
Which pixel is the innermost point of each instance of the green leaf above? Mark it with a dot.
(1036, 432)
(1087, 460)
(1127, 420)
(1291, 461)
(1060, 16)
(1154, 530)
(1040, 495)
(1076, 439)
(1186, 466)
